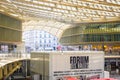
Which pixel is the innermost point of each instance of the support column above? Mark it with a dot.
(1, 73)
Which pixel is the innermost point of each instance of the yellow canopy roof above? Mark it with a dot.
(54, 16)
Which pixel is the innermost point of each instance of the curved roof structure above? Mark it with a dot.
(53, 27)
(54, 16)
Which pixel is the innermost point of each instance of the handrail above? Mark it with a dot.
(14, 55)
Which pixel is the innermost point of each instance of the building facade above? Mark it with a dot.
(36, 40)
(101, 36)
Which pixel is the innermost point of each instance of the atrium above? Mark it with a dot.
(82, 26)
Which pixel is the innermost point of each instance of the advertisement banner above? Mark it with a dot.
(77, 66)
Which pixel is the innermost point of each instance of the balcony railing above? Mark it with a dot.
(14, 55)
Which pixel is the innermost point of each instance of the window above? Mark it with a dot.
(40, 35)
(49, 41)
(44, 41)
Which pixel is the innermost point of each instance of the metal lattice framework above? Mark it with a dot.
(55, 16)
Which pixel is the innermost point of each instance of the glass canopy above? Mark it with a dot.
(54, 16)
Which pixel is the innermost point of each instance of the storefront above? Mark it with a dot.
(112, 65)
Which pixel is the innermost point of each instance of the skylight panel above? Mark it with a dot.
(64, 7)
(59, 6)
(82, 14)
(110, 14)
(53, 5)
(46, 8)
(47, 4)
(27, 0)
(80, 10)
(113, 1)
(99, 6)
(39, 2)
(74, 9)
(68, 7)
(116, 14)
